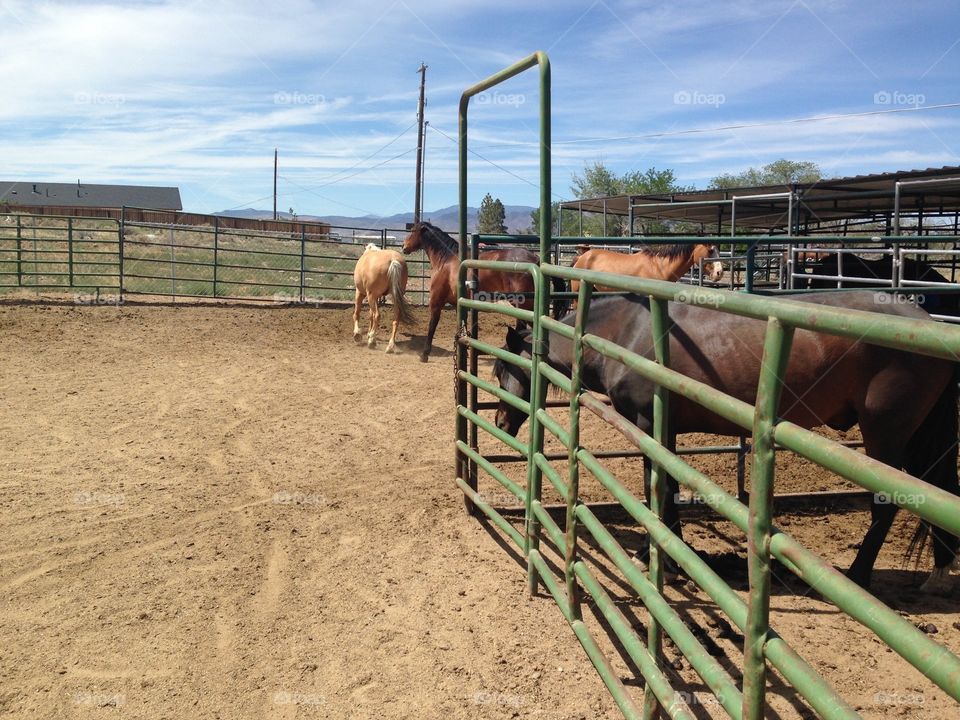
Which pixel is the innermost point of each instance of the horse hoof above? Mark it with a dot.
(938, 583)
(391, 349)
(357, 337)
(424, 358)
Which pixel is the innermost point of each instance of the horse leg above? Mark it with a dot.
(374, 320)
(881, 444)
(358, 306)
(391, 346)
(434, 321)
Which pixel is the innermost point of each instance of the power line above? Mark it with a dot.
(491, 162)
(371, 155)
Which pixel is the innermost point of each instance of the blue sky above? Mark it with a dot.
(197, 94)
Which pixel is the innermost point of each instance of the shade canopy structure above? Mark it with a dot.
(821, 206)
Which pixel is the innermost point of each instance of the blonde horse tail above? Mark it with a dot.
(403, 308)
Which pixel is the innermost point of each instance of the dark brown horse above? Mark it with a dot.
(906, 404)
(444, 257)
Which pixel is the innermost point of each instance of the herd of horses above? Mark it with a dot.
(906, 405)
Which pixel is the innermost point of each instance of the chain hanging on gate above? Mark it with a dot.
(461, 333)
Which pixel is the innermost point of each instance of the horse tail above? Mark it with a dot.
(561, 305)
(931, 455)
(404, 308)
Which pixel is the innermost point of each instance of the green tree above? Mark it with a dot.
(598, 181)
(779, 172)
(491, 216)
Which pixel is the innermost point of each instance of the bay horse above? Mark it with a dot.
(905, 403)
(658, 262)
(444, 255)
(379, 273)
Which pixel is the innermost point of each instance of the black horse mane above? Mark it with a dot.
(436, 239)
(668, 251)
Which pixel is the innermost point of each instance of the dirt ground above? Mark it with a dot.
(236, 512)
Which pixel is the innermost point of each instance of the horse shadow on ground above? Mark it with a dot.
(723, 641)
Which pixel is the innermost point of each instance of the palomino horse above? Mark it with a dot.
(659, 262)
(377, 273)
(444, 257)
(906, 404)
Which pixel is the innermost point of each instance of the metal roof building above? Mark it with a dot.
(83, 195)
(819, 206)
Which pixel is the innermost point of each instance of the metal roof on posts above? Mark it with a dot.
(41, 194)
(934, 191)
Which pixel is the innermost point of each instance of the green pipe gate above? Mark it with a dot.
(762, 647)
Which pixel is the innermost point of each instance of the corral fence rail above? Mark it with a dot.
(578, 574)
(173, 254)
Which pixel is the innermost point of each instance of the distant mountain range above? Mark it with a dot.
(517, 218)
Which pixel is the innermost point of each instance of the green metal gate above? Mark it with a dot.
(762, 645)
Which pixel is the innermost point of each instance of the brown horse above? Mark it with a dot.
(659, 262)
(377, 273)
(905, 404)
(443, 252)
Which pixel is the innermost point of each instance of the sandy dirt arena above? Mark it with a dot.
(236, 512)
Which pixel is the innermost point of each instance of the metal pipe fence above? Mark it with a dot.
(578, 572)
(217, 261)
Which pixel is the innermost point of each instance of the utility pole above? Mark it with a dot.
(274, 183)
(418, 190)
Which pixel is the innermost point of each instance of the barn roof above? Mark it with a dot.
(86, 195)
